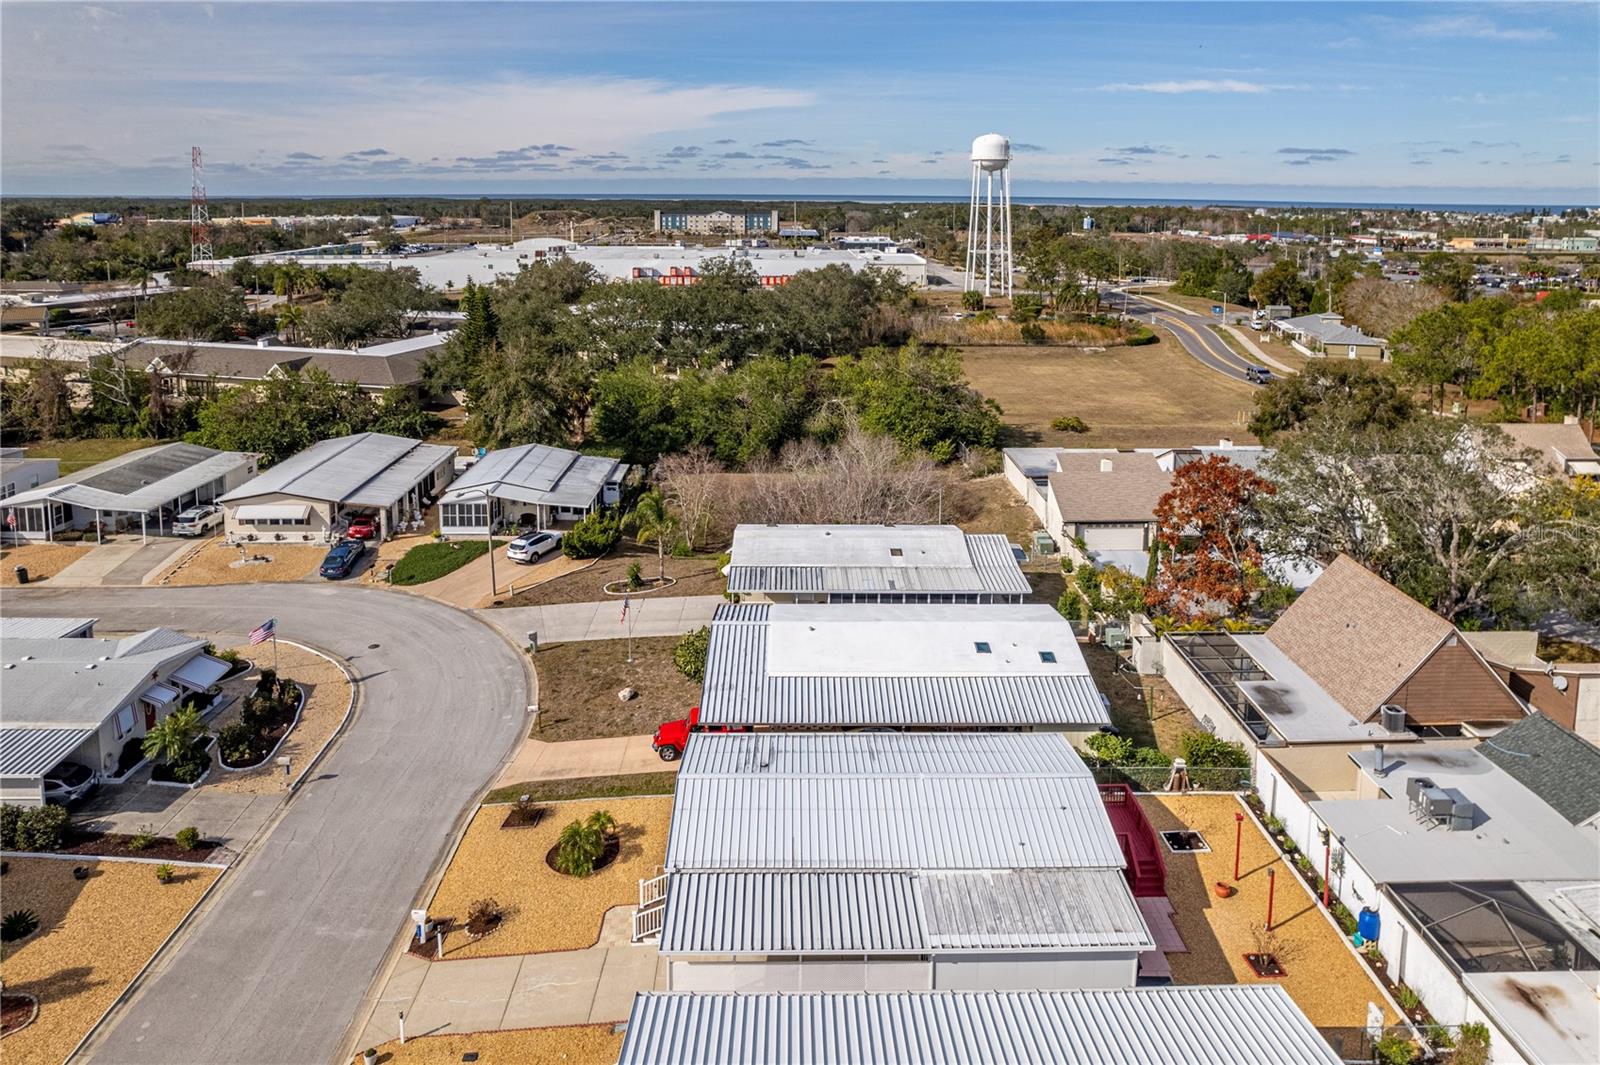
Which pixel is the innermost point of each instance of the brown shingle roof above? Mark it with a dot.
(253, 363)
(1128, 491)
(1357, 635)
(1557, 444)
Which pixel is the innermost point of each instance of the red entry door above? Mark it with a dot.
(149, 717)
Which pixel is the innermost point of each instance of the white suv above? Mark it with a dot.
(531, 547)
(197, 521)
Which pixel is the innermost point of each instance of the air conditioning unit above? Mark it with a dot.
(1392, 718)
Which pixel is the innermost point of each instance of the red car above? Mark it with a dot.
(363, 529)
(671, 736)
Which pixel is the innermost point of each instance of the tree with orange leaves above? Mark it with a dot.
(1205, 530)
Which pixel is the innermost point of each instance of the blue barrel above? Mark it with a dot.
(1367, 924)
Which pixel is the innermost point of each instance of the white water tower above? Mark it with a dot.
(988, 221)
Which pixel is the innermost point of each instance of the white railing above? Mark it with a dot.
(652, 891)
(647, 923)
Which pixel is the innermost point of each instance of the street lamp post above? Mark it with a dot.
(488, 511)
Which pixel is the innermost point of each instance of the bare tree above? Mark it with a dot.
(691, 482)
(1382, 307)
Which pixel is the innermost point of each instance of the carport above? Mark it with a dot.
(27, 754)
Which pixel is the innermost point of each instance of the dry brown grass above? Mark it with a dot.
(1323, 977)
(327, 697)
(579, 1044)
(966, 331)
(1143, 396)
(213, 562)
(94, 935)
(546, 910)
(578, 685)
(990, 505)
(694, 576)
(42, 561)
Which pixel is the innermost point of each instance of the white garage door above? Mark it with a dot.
(1114, 537)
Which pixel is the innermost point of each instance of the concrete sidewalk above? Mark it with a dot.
(590, 986)
(577, 622)
(611, 756)
(228, 817)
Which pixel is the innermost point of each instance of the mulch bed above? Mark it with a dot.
(517, 817)
(163, 772)
(113, 845)
(17, 1012)
(267, 741)
(607, 856)
(1265, 965)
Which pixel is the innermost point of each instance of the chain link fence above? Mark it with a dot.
(1157, 777)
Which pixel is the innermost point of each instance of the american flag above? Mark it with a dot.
(623, 620)
(263, 632)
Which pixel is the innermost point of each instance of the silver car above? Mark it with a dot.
(531, 547)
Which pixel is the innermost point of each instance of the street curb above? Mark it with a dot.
(85, 859)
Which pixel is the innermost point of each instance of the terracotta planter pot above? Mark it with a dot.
(1224, 891)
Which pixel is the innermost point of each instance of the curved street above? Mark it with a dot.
(276, 968)
(1193, 333)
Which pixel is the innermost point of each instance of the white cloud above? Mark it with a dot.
(1214, 85)
(1476, 27)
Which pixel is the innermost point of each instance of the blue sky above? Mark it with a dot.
(1415, 102)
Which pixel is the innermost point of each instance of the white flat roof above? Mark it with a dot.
(1298, 708)
(871, 558)
(1550, 1016)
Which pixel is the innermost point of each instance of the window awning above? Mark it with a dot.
(32, 752)
(159, 695)
(200, 672)
(272, 512)
(1584, 468)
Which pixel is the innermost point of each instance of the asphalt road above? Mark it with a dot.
(1193, 332)
(278, 966)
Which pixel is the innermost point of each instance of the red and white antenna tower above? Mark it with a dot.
(199, 212)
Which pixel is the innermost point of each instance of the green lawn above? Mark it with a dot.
(80, 454)
(429, 562)
(588, 788)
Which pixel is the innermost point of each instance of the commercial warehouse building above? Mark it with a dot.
(137, 492)
(873, 564)
(873, 862)
(533, 486)
(314, 494)
(818, 666)
(1235, 1025)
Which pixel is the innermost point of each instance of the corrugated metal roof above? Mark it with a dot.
(141, 480)
(42, 628)
(871, 558)
(535, 473)
(890, 801)
(1233, 1025)
(367, 469)
(32, 752)
(903, 669)
(903, 912)
(78, 682)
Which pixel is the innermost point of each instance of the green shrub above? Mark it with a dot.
(165, 873)
(141, 840)
(1409, 1000)
(1033, 333)
(33, 828)
(18, 924)
(635, 575)
(1202, 749)
(581, 844)
(237, 741)
(690, 654)
(1026, 307)
(267, 681)
(1140, 337)
(1151, 756)
(1070, 423)
(188, 838)
(1472, 1045)
(592, 537)
(972, 300)
(1108, 749)
(1394, 1050)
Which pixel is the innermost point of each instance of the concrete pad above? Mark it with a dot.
(555, 988)
(397, 996)
(577, 622)
(462, 996)
(609, 756)
(628, 970)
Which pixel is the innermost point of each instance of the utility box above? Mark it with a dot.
(1043, 544)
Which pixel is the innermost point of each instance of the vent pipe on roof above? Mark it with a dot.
(1105, 465)
(766, 751)
(1378, 768)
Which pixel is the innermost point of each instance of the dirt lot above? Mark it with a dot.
(546, 910)
(93, 937)
(1323, 977)
(695, 576)
(214, 562)
(990, 505)
(1144, 709)
(327, 697)
(578, 685)
(579, 1044)
(1129, 396)
(43, 561)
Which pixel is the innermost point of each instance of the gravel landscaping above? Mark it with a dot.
(214, 562)
(545, 910)
(327, 697)
(42, 561)
(579, 682)
(94, 936)
(569, 1045)
(1325, 980)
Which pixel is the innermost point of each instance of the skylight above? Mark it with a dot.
(981, 647)
(1047, 656)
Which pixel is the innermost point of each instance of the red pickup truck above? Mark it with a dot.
(671, 736)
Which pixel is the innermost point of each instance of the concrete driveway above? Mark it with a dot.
(576, 622)
(278, 967)
(123, 563)
(605, 757)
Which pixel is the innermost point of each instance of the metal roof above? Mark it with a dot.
(32, 752)
(871, 558)
(44, 628)
(141, 480)
(366, 469)
(793, 664)
(1235, 1025)
(78, 682)
(770, 913)
(535, 473)
(863, 801)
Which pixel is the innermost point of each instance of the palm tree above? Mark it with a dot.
(578, 847)
(172, 739)
(651, 520)
(291, 320)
